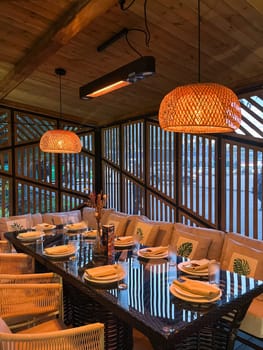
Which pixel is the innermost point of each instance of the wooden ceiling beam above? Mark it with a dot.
(76, 18)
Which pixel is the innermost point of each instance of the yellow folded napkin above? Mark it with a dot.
(43, 226)
(197, 287)
(106, 271)
(154, 251)
(197, 265)
(91, 233)
(60, 250)
(124, 240)
(77, 226)
(30, 234)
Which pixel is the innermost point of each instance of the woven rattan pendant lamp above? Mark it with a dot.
(60, 141)
(201, 107)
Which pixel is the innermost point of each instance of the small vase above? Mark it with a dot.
(98, 248)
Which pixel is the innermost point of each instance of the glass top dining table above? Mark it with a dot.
(147, 303)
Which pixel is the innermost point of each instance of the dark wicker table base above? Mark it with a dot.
(79, 309)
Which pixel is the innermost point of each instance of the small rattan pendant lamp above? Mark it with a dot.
(60, 141)
(200, 108)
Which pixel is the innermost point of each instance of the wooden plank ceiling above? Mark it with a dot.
(38, 36)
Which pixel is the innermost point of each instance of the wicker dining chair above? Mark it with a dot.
(26, 304)
(47, 277)
(16, 263)
(5, 246)
(88, 337)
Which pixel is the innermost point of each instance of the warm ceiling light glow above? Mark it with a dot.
(60, 141)
(109, 88)
(200, 108)
(132, 72)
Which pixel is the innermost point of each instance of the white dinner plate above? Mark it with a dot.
(44, 228)
(38, 234)
(105, 279)
(195, 273)
(184, 295)
(159, 256)
(59, 255)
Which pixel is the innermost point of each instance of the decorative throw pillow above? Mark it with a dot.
(146, 231)
(243, 260)
(191, 246)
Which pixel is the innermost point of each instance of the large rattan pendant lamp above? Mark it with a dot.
(201, 107)
(60, 141)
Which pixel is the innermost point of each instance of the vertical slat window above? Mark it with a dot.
(161, 157)
(33, 164)
(70, 201)
(5, 199)
(242, 197)
(111, 145)
(133, 149)
(32, 199)
(159, 209)
(111, 186)
(199, 176)
(5, 128)
(133, 195)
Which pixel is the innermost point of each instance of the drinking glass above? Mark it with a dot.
(214, 272)
(122, 280)
(172, 255)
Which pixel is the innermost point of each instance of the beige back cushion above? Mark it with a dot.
(164, 235)
(36, 219)
(120, 221)
(6, 223)
(61, 218)
(243, 255)
(190, 245)
(148, 230)
(88, 215)
(216, 237)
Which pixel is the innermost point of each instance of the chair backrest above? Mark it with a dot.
(5, 246)
(16, 263)
(21, 304)
(88, 337)
(48, 277)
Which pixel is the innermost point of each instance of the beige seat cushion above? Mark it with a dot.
(253, 321)
(216, 236)
(45, 327)
(190, 245)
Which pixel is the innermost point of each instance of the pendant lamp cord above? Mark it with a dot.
(199, 41)
(60, 97)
